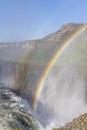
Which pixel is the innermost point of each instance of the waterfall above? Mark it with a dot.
(63, 97)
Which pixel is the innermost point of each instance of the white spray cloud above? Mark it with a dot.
(65, 95)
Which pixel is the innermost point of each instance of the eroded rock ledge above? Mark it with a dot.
(79, 123)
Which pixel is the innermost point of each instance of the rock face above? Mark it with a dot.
(13, 114)
(79, 123)
(64, 32)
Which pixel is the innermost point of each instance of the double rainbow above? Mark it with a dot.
(52, 62)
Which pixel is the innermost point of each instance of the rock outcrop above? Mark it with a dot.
(79, 123)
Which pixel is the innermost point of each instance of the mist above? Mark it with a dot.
(65, 89)
(65, 95)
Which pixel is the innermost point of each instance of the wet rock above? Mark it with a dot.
(13, 114)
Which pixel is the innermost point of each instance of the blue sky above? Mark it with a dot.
(32, 19)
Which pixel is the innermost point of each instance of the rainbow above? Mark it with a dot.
(52, 62)
(22, 65)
